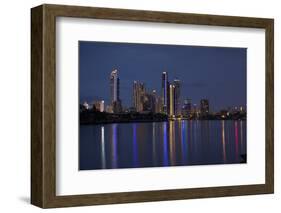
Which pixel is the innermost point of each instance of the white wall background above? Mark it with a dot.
(15, 105)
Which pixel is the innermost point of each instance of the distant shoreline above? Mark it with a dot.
(143, 121)
(96, 118)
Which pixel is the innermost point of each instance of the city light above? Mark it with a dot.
(150, 106)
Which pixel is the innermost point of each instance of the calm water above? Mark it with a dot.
(173, 143)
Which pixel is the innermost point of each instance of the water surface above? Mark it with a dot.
(158, 144)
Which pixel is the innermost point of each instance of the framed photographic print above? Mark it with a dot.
(135, 106)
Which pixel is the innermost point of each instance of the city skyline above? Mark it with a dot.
(179, 83)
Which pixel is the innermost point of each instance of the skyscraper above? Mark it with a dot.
(172, 103)
(138, 96)
(165, 90)
(135, 95)
(114, 85)
(187, 107)
(157, 102)
(148, 102)
(204, 106)
(177, 100)
(154, 101)
(115, 92)
(168, 98)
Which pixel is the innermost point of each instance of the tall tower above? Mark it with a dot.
(138, 95)
(172, 103)
(165, 90)
(114, 92)
(154, 101)
(135, 95)
(114, 86)
(177, 100)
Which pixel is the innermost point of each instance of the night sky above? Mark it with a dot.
(214, 73)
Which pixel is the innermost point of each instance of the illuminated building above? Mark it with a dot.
(114, 85)
(177, 101)
(154, 100)
(241, 109)
(144, 101)
(138, 96)
(187, 107)
(204, 106)
(164, 92)
(109, 109)
(115, 92)
(86, 105)
(172, 104)
(195, 111)
(224, 114)
(158, 105)
(157, 102)
(99, 105)
(168, 98)
(148, 103)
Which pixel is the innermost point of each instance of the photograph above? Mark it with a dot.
(147, 105)
(139, 105)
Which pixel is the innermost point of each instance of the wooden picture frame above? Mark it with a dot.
(43, 105)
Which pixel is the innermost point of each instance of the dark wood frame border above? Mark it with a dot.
(43, 105)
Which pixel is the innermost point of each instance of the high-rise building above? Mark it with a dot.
(157, 102)
(115, 92)
(204, 106)
(172, 103)
(114, 85)
(138, 96)
(187, 107)
(164, 92)
(168, 98)
(99, 105)
(148, 102)
(177, 100)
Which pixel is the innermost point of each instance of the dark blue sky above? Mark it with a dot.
(214, 73)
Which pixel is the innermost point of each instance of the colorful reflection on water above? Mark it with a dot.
(173, 143)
